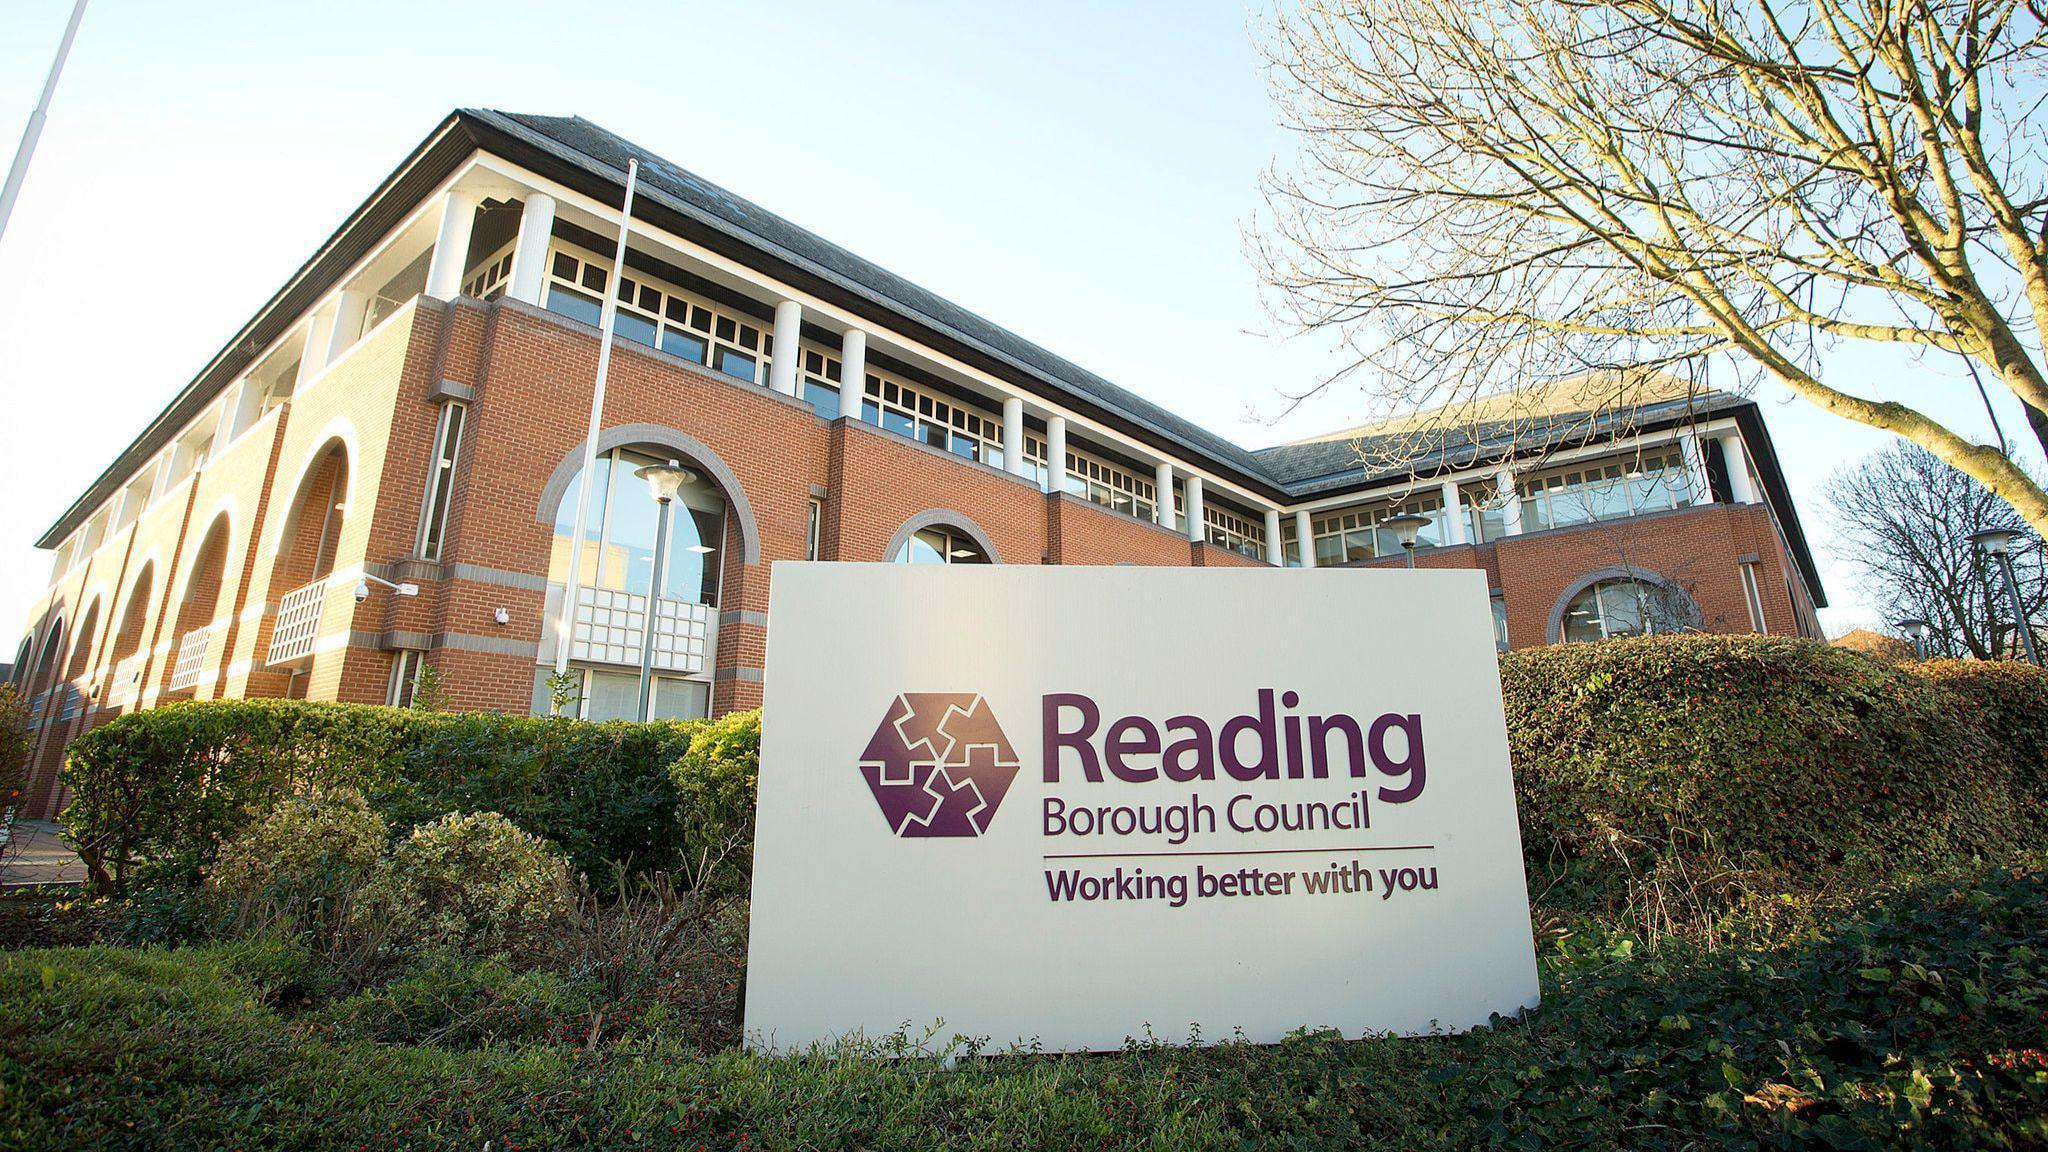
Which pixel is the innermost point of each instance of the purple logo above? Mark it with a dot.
(939, 764)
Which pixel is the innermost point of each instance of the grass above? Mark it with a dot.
(1918, 1022)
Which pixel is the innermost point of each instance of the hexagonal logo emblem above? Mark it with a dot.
(939, 765)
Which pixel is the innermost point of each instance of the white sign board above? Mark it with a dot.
(1068, 805)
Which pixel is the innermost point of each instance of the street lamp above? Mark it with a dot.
(665, 481)
(1917, 629)
(1997, 544)
(1405, 526)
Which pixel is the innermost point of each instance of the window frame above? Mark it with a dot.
(447, 457)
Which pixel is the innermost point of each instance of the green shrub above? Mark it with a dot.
(170, 785)
(716, 783)
(302, 860)
(15, 747)
(472, 883)
(2009, 701)
(1914, 1024)
(457, 1002)
(1669, 783)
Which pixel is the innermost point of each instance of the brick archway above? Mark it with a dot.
(942, 518)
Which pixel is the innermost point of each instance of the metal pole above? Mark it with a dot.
(19, 171)
(653, 599)
(2019, 610)
(566, 628)
(1410, 549)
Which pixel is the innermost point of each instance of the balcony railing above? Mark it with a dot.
(38, 707)
(610, 625)
(298, 622)
(125, 687)
(191, 663)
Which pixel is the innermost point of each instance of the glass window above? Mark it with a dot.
(939, 546)
(611, 695)
(1622, 608)
(677, 699)
(632, 326)
(405, 678)
(618, 551)
(736, 364)
(574, 305)
(442, 481)
(565, 525)
(1500, 622)
(682, 342)
(822, 397)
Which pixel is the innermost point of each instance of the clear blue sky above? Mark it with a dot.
(1080, 173)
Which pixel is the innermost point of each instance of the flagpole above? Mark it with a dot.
(566, 629)
(30, 134)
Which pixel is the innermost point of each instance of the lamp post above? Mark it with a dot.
(1405, 527)
(665, 481)
(1916, 629)
(1997, 544)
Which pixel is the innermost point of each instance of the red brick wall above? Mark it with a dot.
(531, 375)
(1697, 549)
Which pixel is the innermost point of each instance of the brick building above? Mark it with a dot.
(410, 410)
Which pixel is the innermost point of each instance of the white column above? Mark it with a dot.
(1276, 553)
(1197, 525)
(1735, 458)
(1696, 468)
(853, 371)
(313, 357)
(1511, 506)
(530, 255)
(1162, 495)
(1055, 454)
(346, 326)
(451, 245)
(1304, 538)
(1013, 435)
(1454, 515)
(789, 326)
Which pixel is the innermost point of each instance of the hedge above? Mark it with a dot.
(1667, 783)
(2009, 701)
(168, 786)
(1913, 1024)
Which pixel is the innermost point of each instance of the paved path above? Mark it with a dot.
(39, 854)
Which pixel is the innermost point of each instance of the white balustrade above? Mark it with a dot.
(190, 665)
(298, 622)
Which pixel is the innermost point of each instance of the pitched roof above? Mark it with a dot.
(1367, 455)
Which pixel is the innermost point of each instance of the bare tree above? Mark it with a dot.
(1906, 519)
(1494, 193)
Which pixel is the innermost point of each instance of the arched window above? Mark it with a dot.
(940, 544)
(618, 535)
(1624, 607)
(618, 558)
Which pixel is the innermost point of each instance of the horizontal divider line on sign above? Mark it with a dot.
(1236, 852)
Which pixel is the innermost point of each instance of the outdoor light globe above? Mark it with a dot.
(665, 480)
(1915, 627)
(1406, 527)
(1994, 541)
